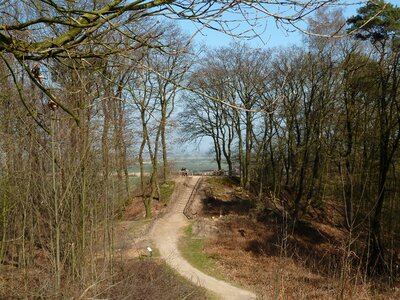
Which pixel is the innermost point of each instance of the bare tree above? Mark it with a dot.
(170, 69)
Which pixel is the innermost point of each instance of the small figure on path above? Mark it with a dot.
(184, 172)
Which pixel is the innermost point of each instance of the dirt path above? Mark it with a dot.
(166, 233)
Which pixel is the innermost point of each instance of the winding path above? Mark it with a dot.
(166, 233)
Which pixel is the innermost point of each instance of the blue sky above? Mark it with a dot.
(271, 34)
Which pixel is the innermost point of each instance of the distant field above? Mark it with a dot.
(195, 164)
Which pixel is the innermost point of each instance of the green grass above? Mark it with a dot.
(150, 279)
(218, 185)
(166, 190)
(195, 164)
(183, 280)
(157, 256)
(223, 181)
(191, 248)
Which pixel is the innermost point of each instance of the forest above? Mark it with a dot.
(89, 88)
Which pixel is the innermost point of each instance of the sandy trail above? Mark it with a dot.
(166, 233)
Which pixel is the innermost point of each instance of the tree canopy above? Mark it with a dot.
(35, 30)
(376, 21)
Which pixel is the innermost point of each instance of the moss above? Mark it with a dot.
(166, 190)
(223, 181)
(191, 248)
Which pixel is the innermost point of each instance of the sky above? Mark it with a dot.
(271, 34)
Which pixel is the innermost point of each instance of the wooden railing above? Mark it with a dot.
(186, 210)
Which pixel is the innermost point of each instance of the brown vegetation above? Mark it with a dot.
(134, 273)
(144, 279)
(267, 253)
(89, 87)
(148, 280)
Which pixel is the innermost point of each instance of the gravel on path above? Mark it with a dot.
(166, 233)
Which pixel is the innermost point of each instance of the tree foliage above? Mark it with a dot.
(301, 126)
(325, 124)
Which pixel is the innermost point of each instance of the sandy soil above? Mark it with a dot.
(165, 234)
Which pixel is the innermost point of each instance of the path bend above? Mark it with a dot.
(166, 233)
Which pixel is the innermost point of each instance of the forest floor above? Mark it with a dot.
(256, 248)
(231, 238)
(135, 273)
(166, 234)
(235, 240)
(141, 274)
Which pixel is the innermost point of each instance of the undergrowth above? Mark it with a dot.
(150, 279)
(192, 248)
(270, 255)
